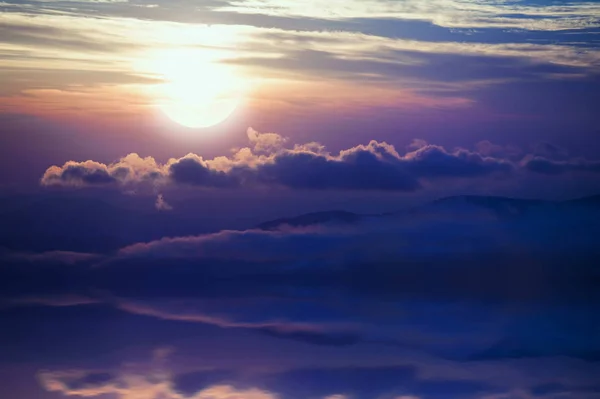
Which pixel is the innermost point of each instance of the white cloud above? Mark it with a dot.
(446, 13)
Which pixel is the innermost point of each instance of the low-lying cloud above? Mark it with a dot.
(551, 167)
(286, 282)
(450, 296)
(375, 166)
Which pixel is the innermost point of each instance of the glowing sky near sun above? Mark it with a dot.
(60, 56)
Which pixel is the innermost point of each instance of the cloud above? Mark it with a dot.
(53, 301)
(369, 167)
(80, 383)
(195, 381)
(323, 334)
(25, 33)
(401, 381)
(50, 257)
(382, 291)
(547, 166)
(91, 380)
(303, 284)
(489, 149)
(374, 166)
(78, 174)
(192, 170)
(131, 169)
(531, 15)
(133, 386)
(265, 142)
(401, 46)
(416, 144)
(550, 151)
(435, 162)
(446, 13)
(161, 204)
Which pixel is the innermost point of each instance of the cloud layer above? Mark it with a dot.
(375, 166)
(472, 251)
(466, 297)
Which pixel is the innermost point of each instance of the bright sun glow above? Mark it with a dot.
(198, 91)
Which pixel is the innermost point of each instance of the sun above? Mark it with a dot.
(198, 92)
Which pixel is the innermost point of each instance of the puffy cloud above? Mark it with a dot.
(265, 142)
(435, 162)
(360, 168)
(353, 381)
(81, 383)
(375, 166)
(194, 171)
(78, 174)
(131, 169)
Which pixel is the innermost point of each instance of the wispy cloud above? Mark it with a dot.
(366, 45)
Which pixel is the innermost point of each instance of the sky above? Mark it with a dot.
(277, 199)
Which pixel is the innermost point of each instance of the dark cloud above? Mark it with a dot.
(550, 151)
(291, 283)
(90, 173)
(551, 167)
(420, 70)
(316, 337)
(435, 161)
(358, 169)
(467, 281)
(375, 166)
(193, 171)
